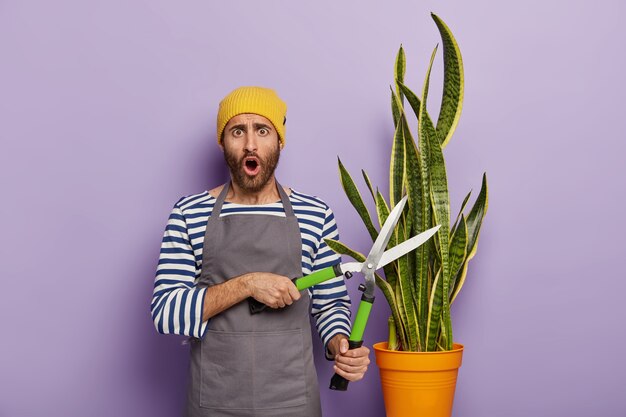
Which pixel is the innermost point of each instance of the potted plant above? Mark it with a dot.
(419, 362)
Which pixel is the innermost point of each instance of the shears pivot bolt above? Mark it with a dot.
(370, 266)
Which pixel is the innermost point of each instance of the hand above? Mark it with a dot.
(275, 291)
(350, 364)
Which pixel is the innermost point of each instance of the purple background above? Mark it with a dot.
(107, 117)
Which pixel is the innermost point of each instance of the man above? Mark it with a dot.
(244, 241)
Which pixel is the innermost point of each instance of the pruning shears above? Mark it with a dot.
(376, 259)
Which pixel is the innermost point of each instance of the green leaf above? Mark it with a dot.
(402, 232)
(406, 297)
(412, 98)
(474, 222)
(382, 209)
(369, 184)
(395, 110)
(396, 166)
(391, 275)
(342, 249)
(399, 70)
(460, 211)
(357, 201)
(458, 251)
(388, 292)
(440, 201)
(414, 101)
(392, 341)
(403, 316)
(442, 342)
(418, 261)
(459, 280)
(453, 84)
(475, 216)
(424, 221)
(433, 323)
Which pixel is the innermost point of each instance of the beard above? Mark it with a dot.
(252, 184)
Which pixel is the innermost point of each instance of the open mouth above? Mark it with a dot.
(251, 165)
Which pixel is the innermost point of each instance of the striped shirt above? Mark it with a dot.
(177, 302)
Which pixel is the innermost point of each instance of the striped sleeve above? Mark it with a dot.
(330, 300)
(176, 302)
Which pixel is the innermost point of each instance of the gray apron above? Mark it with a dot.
(257, 365)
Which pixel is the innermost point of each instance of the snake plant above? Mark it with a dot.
(421, 286)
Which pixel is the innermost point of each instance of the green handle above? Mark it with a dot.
(319, 276)
(360, 321)
(302, 283)
(339, 383)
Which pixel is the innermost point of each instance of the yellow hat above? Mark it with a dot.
(258, 100)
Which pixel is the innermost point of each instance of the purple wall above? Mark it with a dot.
(107, 117)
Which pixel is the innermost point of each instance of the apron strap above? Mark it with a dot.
(217, 208)
(285, 199)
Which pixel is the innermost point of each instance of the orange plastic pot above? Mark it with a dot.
(418, 384)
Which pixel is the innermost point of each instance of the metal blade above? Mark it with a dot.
(383, 238)
(351, 267)
(406, 246)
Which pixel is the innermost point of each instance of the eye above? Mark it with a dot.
(237, 133)
(263, 131)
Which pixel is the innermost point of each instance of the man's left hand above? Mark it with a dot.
(350, 364)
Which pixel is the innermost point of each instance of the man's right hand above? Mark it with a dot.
(275, 291)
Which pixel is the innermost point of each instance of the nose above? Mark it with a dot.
(251, 142)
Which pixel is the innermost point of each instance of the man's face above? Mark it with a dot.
(251, 149)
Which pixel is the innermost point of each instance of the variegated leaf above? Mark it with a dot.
(382, 209)
(433, 322)
(399, 70)
(418, 261)
(453, 84)
(402, 313)
(439, 199)
(474, 222)
(406, 294)
(395, 110)
(414, 101)
(458, 252)
(396, 166)
(357, 201)
(460, 212)
(369, 184)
